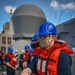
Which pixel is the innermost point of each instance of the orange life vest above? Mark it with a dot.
(1, 54)
(35, 52)
(26, 55)
(13, 60)
(47, 62)
(52, 67)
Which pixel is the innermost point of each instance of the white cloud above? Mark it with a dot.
(54, 4)
(68, 6)
(73, 16)
(8, 8)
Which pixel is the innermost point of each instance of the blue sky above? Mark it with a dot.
(56, 11)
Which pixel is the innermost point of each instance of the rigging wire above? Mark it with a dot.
(61, 13)
(56, 14)
(51, 10)
(12, 7)
(9, 15)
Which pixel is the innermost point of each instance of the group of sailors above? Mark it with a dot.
(45, 56)
(15, 61)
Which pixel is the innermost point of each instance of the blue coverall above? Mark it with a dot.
(9, 70)
(21, 62)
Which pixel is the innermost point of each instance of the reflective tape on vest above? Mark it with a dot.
(41, 66)
(32, 57)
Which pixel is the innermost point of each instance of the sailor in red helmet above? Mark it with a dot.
(10, 62)
(53, 58)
